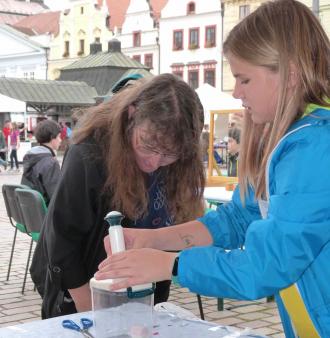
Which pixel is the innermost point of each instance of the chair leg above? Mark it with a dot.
(200, 305)
(270, 299)
(220, 304)
(11, 254)
(27, 266)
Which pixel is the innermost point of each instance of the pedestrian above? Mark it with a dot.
(205, 142)
(234, 138)
(41, 169)
(280, 212)
(3, 150)
(13, 145)
(6, 130)
(138, 153)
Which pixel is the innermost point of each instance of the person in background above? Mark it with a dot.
(235, 120)
(139, 153)
(205, 142)
(234, 137)
(3, 150)
(41, 170)
(6, 130)
(280, 212)
(68, 129)
(13, 145)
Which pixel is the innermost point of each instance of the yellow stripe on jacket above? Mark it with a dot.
(297, 311)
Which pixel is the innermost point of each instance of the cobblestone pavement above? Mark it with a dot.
(16, 307)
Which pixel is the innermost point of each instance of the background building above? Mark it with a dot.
(12, 11)
(20, 56)
(139, 33)
(190, 41)
(234, 11)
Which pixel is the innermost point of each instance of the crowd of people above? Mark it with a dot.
(141, 153)
(9, 144)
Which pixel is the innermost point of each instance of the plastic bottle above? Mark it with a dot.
(116, 234)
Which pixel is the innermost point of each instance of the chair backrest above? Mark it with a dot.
(12, 206)
(33, 208)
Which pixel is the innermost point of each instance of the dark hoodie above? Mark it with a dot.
(41, 170)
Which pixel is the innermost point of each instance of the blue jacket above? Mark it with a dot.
(291, 245)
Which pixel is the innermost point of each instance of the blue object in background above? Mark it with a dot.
(217, 157)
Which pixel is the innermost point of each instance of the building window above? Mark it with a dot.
(178, 40)
(210, 36)
(193, 79)
(98, 40)
(137, 58)
(66, 49)
(136, 39)
(193, 38)
(25, 75)
(179, 74)
(82, 47)
(209, 76)
(191, 8)
(148, 60)
(81, 10)
(244, 11)
(32, 75)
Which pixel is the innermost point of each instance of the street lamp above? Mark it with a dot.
(46, 59)
(316, 7)
(222, 25)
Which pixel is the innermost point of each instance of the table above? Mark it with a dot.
(167, 325)
(217, 194)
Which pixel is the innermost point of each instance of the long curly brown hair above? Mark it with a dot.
(175, 116)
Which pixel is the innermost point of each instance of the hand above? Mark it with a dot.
(134, 239)
(137, 266)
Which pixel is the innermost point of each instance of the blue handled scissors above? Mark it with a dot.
(85, 322)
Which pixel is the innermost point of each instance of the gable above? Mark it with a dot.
(17, 43)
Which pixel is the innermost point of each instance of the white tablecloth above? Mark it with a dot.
(166, 325)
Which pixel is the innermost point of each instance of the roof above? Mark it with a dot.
(101, 78)
(105, 59)
(117, 10)
(38, 24)
(21, 7)
(157, 6)
(102, 70)
(48, 91)
(10, 18)
(130, 73)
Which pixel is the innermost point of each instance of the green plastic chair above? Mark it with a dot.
(33, 209)
(14, 214)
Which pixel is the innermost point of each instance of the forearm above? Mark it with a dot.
(82, 298)
(182, 236)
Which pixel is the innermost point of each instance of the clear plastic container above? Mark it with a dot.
(123, 314)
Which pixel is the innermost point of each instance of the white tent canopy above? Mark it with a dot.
(214, 99)
(8, 104)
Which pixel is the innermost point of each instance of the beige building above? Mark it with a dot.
(81, 25)
(235, 10)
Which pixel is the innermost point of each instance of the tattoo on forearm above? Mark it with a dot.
(188, 240)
